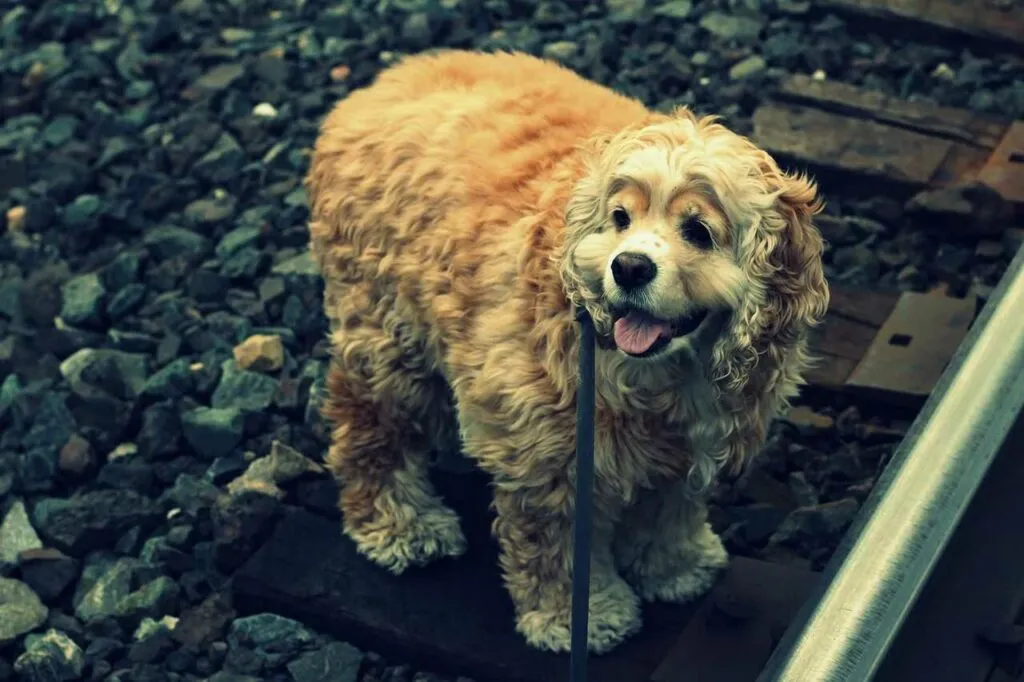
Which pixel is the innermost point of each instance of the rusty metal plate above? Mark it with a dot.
(913, 347)
(1004, 171)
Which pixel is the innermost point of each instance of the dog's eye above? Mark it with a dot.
(621, 218)
(697, 233)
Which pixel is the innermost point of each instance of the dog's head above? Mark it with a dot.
(680, 229)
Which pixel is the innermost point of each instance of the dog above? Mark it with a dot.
(462, 208)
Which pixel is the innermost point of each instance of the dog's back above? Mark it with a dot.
(420, 182)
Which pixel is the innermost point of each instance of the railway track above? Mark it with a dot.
(927, 584)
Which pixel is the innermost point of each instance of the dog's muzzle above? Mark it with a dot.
(638, 333)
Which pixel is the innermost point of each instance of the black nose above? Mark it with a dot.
(633, 270)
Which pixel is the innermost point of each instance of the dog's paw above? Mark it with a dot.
(614, 616)
(430, 535)
(688, 577)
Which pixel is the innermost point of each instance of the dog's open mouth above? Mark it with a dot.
(640, 334)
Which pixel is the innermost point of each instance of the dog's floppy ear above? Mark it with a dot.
(787, 295)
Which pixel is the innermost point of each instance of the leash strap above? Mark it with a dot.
(585, 399)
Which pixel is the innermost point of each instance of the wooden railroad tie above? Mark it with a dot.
(984, 21)
(455, 617)
(841, 131)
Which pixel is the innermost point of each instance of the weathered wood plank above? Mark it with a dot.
(983, 21)
(851, 325)
(835, 143)
(886, 143)
(452, 616)
(960, 125)
(738, 626)
(455, 616)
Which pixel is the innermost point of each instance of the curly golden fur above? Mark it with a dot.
(461, 207)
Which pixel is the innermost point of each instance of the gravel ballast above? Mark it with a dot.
(161, 334)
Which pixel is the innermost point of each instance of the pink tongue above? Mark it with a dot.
(636, 334)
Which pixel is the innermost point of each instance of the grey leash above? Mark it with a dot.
(584, 501)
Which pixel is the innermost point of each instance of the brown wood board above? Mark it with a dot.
(885, 143)
(978, 582)
(833, 143)
(737, 627)
(853, 320)
(958, 125)
(451, 616)
(454, 616)
(913, 347)
(978, 19)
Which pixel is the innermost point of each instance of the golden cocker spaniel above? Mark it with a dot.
(462, 206)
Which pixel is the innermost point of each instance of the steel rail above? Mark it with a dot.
(866, 591)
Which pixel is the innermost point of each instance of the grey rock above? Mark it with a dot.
(805, 493)
(93, 520)
(83, 210)
(966, 210)
(210, 211)
(213, 432)
(126, 301)
(627, 10)
(243, 390)
(48, 572)
(675, 9)
(857, 263)
(220, 77)
(52, 657)
(301, 265)
(121, 271)
(52, 426)
(192, 495)
(9, 390)
(10, 299)
(170, 381)
(747, 68)
(104, 584)
(17, 534)
(731, 26)
(168, 241)
(336, 662)
(155, 599)
(283, 465)
(237, 239)
(21, 611)
(836, 231)
(222, 163)
(271, 633)
(561, 51)
(82, 301)
(829, 519)
(106, 373)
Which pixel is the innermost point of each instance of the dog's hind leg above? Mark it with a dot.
(385, 405)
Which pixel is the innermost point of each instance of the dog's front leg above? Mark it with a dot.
(534, 529)
(665, 547)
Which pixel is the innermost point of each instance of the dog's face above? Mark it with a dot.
(681, 226)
